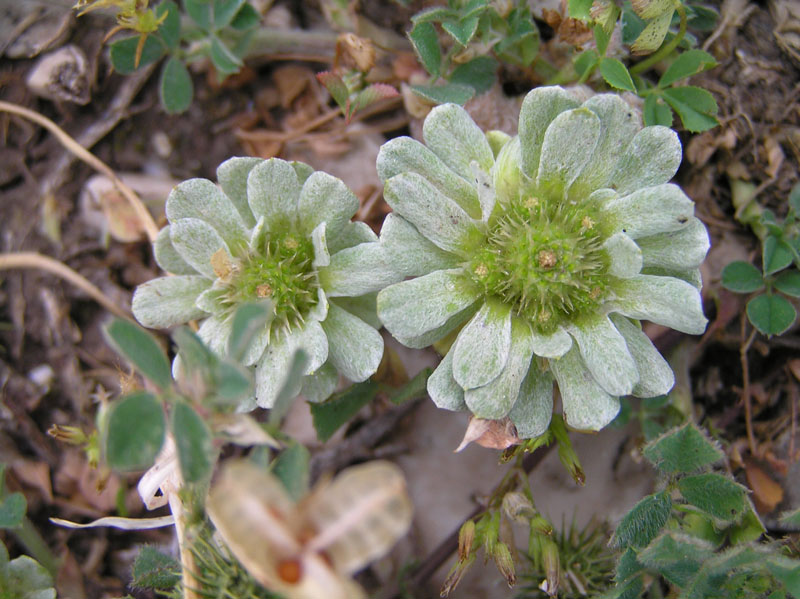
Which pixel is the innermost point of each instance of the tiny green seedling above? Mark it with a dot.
(770, 312)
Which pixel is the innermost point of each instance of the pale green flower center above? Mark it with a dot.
(544, 259)
(282, 272)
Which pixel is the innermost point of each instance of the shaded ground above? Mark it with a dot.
(54, 362)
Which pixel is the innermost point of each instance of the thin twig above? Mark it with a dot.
(139, 208)
(40, 262)
(746, 393)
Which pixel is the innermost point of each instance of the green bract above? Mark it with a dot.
(548, 248)
(280, 231)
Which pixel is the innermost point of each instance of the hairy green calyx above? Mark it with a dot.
(545, 259)
(280, 270)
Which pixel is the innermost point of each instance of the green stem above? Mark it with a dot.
(666, 49)
(36, 546)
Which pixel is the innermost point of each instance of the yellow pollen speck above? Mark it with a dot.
(547, 258)
(221, 264)
(587, 223)
(481, 270)
(291, 243)
(544, 315)
(264, 290)
(531, 203)
(595, 293)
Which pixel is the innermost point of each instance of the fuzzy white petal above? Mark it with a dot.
(272, 192)
(354, 347)
(539, 108)
(495, 399)
(652, 210)
(320, 386)
(626, 257)
(606, 355)
(455, 138)
(436, 216)
(412, 308)
(325, 198)
(443, 389)
(652, 158)
(655, 375)
(406, 155)
(533, 409)
(586, 405)
(272, 369)
(167, 257)
(167, 301)
(357, 270)
(482, 347)
(409, 252)
(682, 249)
(554, 345)
(569, 144)
(232, 176)
(663, 300)
(196, 241)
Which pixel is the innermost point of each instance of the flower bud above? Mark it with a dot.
(518, 507)
(552, 566)
(466, 536)
(505, 563)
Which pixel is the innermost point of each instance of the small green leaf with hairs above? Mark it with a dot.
(333, 413)
(175, 87)
(292, 468)
(742, 277)
(585, 62)
(194, 354)
(687, 64)
(643, 523)
(657, 112)
(170, 28)
(246, 18)
(24, 578)
(201, 12)
(155, 570)
(789, 283)
(140, 349)
(123, 53)
(193, 442)
(771, 314)
(336, 87)
(695, 106)
(677, 557)
(791, 518)
(682, 450)
(616, 75)
(479, 73)
(248, 321)
(368, 96)
(787, 571)
(225, 11)
(461, 30)
(715, 494)
(224, 60)
(443, 94)
(776, 255)
(135, 431)
(426, 44)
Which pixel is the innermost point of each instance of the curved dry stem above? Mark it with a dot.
(82, 153)
(40, 262)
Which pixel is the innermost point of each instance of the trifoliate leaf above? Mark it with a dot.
(776, 255)
(643, 523)
(135, 432)
(616, 75)
(714, 494)
(426, 43)
(695, 106)
(742, 277)
(687, 64)
(771, 314)
(682, 450)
